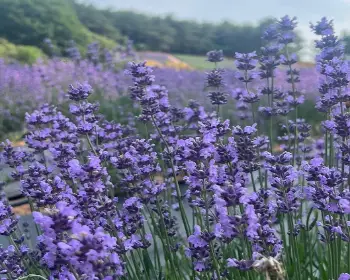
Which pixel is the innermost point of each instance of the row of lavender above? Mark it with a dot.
(24, 88)
(255, 213)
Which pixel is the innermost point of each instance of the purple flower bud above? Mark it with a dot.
(344, 276)
(80, 92)
(215, 56)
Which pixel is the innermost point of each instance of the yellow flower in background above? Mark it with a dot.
(173, 62)
(166, 61)
(178, 65)
(154, 63)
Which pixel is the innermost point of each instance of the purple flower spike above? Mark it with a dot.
(344, 276)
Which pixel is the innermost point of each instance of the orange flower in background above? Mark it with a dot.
(22, 210)
(18, 143)
(277, 148)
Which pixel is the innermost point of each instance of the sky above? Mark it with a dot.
(244, 11)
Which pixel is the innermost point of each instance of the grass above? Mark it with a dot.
(201, 63)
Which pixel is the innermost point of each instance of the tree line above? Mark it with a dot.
(29, 22)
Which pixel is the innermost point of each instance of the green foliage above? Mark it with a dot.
(25, 54)
(312, 116)
(96, 22)
(168, 34)
(186, 37)
(29, 22)
(346, 40)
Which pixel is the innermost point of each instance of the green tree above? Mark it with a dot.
(96, 21)
(346, 40)
(29, 22)
(25, 54)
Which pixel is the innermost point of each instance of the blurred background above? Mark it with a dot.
(184, 28)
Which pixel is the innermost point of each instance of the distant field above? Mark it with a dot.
(201, 63)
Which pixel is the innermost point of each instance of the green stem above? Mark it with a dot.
(326, 148)
(165, 238)
(293, 243)
(177, 187)
(38, 232)
(136, 266)
(284, 240)
(330, 259)
(212, 255)
(271, 135)
(90, 144)
(253, 182)
(73, 271)
(30, 276)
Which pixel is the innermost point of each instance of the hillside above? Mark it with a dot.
(26, 54)
(29, 22)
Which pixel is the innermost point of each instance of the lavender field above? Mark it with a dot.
(25, 88)
(139, 172)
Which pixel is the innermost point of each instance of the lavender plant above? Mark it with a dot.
(192, 195)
